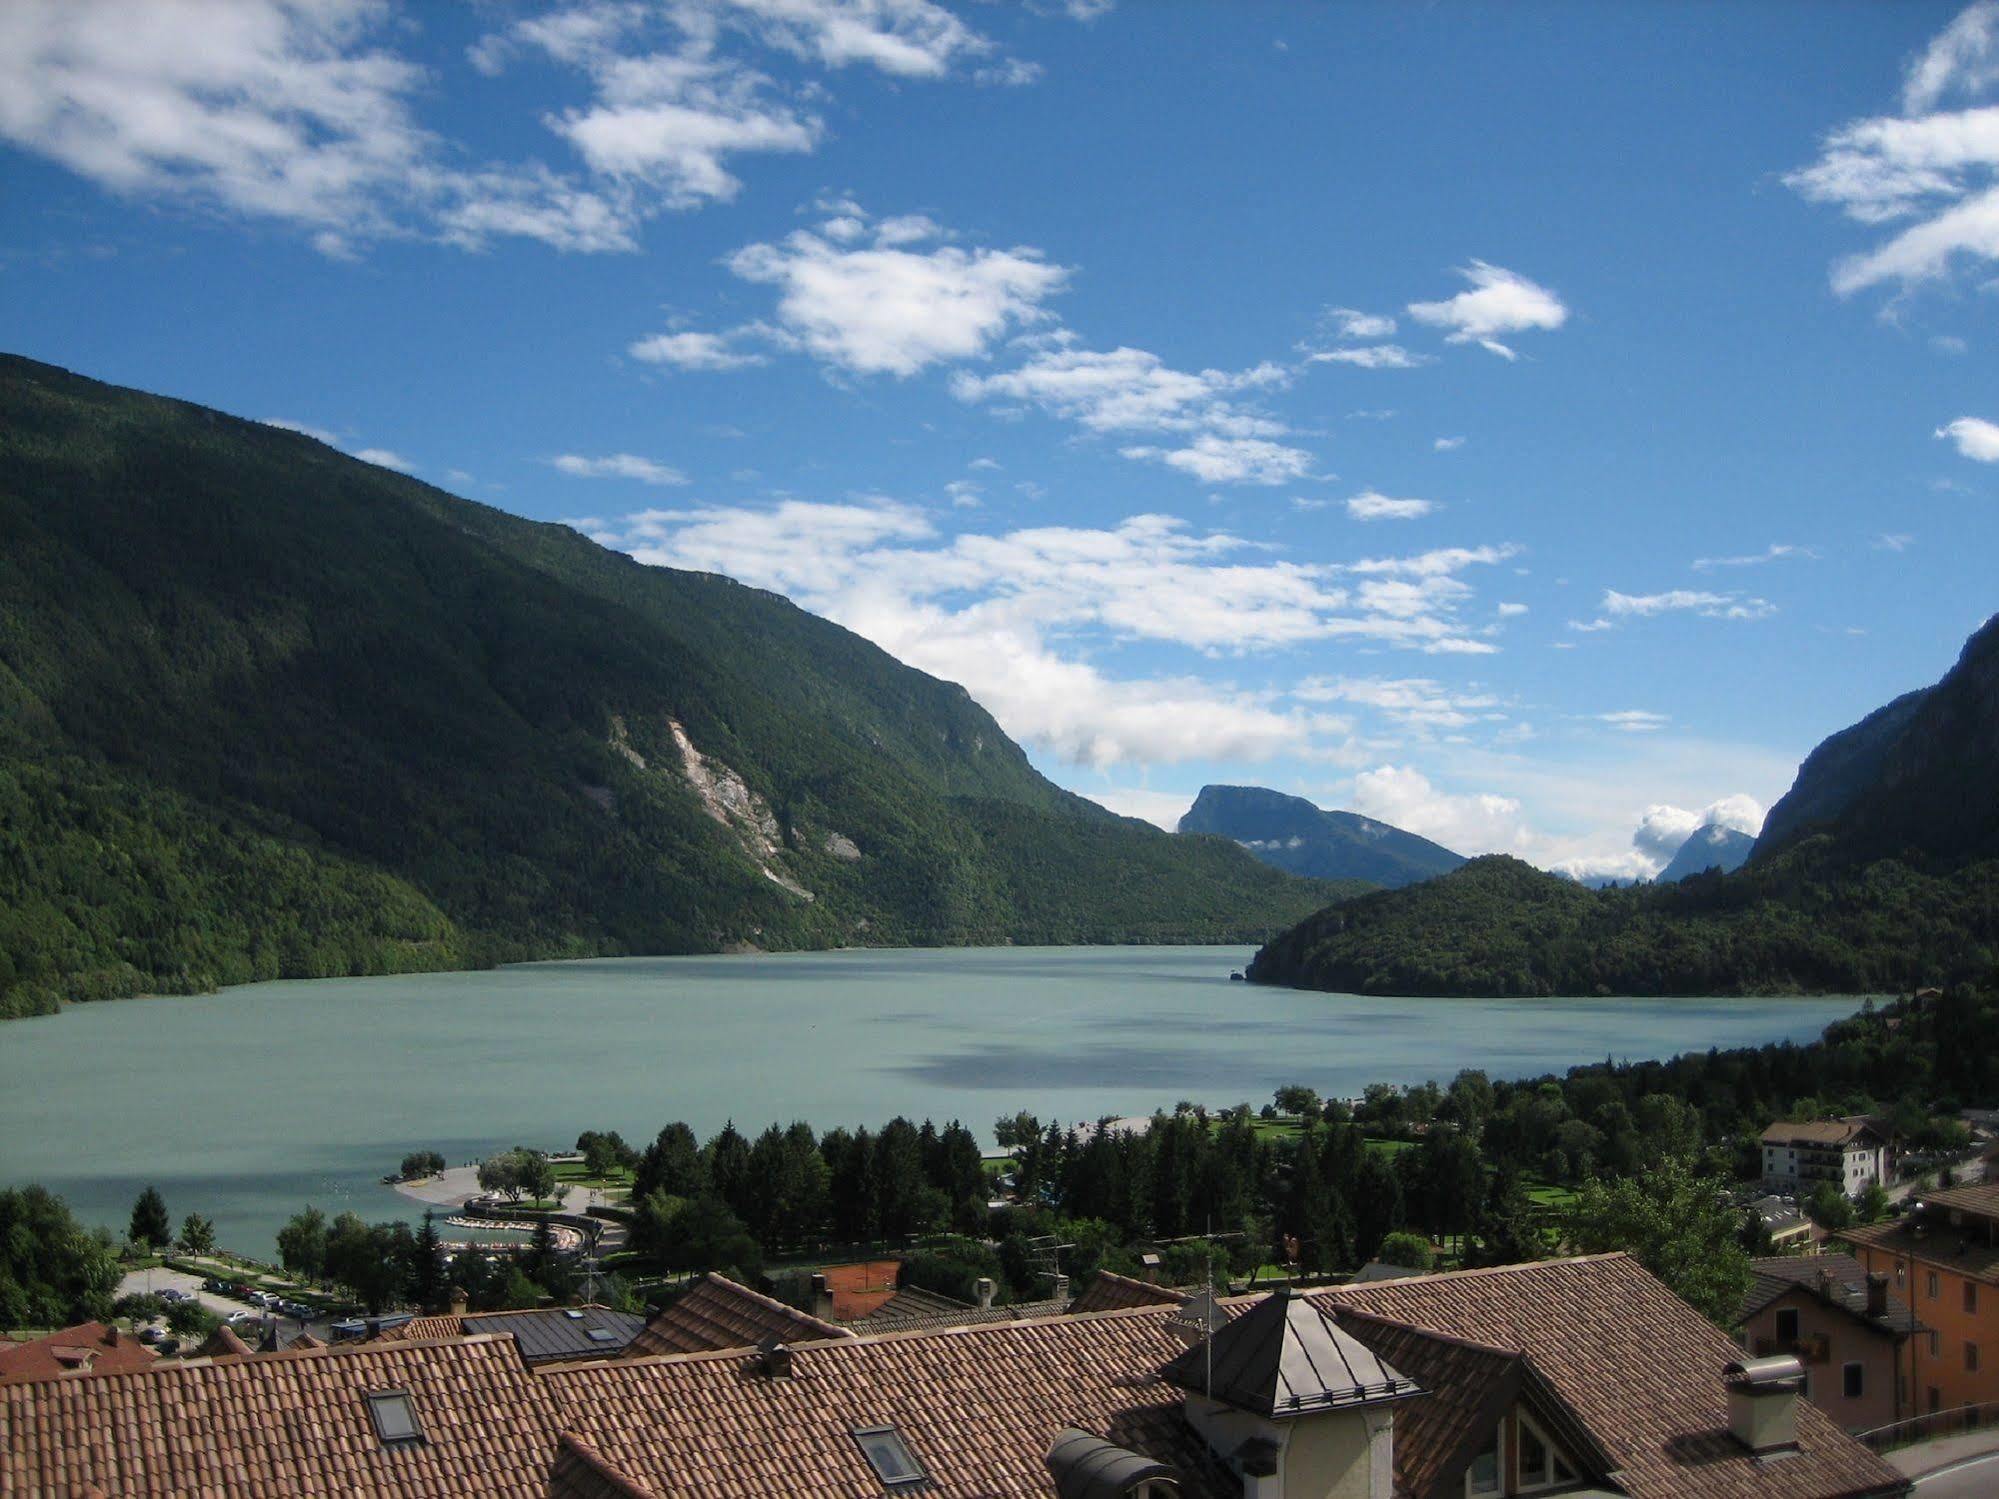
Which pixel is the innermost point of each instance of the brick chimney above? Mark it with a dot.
(1060, 1290)
(460, 1302)
(1763, 1402)
(1877, 1294)
(822, 1299)
(985, 1289)
(113, 1336)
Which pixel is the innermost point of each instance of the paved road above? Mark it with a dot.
(1976, 1479)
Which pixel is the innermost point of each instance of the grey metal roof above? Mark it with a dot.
(550, 1334)
(1087, 1467)
(1288, 1357)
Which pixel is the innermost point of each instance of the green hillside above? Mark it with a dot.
(1879, 871)
(269, 711)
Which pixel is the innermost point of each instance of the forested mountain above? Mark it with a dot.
(1709, 847)
(1878, 872)
(270, 711)
(1913, 780)
(1292, 834)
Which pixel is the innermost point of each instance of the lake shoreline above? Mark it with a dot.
(246, 1107)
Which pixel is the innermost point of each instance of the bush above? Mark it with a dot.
(1411, 1251)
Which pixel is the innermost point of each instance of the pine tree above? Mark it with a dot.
(151, 1227)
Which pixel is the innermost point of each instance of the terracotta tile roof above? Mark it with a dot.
(717, 1313)
(1838, 1279)
(1928, 1235)
(223, 1343)
(1109, 1291)
(581, 1472)
(1981, 1200)
(88, 1347)
(861, 1288)
(1470, 1387)
(1640, 1368)
(977, 1407)
(1820, 1132)
(285, 1424)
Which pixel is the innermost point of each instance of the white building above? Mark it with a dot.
(1852, 1153)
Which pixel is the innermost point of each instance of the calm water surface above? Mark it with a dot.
(247, 1104)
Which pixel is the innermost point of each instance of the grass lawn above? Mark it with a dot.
(1547, 1195)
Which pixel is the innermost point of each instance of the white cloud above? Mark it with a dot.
(1948, 343)
(1163, 809)
(1371, 506)
(1447, 444)
(1680, 600)
(618, 466)
(1418, 704)
(1936, 170)
(1893, 541)
(302, 112)
(385, 458)
(1975, 438)
(1015, 616)
(1662, 829)
(1232, 460)
(1499, 302)
(1772, 553)
(1348, 322)
(1509, 611)
(903, 38)
(1634, 720)
(1126, 390)
(1371, 357)
(1477, 823)
(694, 351)
(1014, 72)
(885, 308)
(1963, 59)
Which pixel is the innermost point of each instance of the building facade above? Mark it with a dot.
(1943, 1259)
(1852, 1154)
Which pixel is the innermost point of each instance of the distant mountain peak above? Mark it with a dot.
(1294, 834)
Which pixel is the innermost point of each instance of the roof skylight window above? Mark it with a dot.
(890, 1457)
(394, 1417)
(601, 1335)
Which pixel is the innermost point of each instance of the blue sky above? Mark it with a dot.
(1534, 425)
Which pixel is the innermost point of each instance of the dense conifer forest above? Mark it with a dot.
(269, 711)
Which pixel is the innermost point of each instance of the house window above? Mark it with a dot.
(1900, 1276)
(1936, 1399)
(1787, 1324)
(1541, 1466)
(1482, 1477)
(1971, 1295)
(1854, 1376)
(1971, 1358)
(1936, 1344)
(1930, 1283)
(890, 1456)
(394, 1417)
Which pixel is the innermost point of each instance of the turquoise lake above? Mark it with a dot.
(247, 1104)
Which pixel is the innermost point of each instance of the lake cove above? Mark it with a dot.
(246, 1105)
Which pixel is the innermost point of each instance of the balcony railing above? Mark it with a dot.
(1928, 1428)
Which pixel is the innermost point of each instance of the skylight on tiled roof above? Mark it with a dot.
(890, 1457)
(601, 1335)
(394, 1417)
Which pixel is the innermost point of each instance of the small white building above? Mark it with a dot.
(1853, 1154)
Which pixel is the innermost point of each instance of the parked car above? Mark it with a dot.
(150, 1334)
(297, 1309)
(243, 1318)
(170, 1294)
